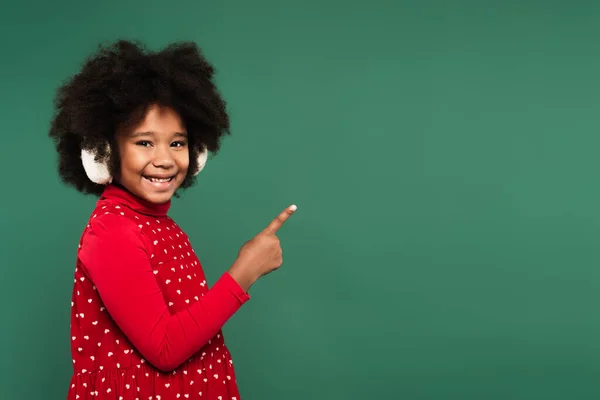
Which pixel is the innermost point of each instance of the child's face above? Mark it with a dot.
(154, 155)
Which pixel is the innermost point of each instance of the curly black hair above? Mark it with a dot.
(114, 89)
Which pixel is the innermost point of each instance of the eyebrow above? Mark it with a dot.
(139, 134)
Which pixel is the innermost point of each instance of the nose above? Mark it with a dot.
(163, 158)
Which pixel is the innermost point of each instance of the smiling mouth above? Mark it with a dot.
(159, 180)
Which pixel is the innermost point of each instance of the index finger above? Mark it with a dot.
(278, 222)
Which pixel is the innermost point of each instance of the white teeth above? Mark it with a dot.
(159, 180)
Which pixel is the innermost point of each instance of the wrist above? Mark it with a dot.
(242, 275)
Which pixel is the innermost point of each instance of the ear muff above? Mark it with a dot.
(95, 170)
(99, 173)
(202, 157)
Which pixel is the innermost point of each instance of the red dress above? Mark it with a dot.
(144, 324)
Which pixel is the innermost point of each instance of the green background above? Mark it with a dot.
(443, 155)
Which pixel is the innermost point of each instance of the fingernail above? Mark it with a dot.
(293, 207)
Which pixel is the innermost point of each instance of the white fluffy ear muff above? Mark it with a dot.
(96, 171)
(202, 157)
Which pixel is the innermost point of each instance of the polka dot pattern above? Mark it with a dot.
(106, 365)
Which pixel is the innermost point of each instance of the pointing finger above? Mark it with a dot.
(280, 220)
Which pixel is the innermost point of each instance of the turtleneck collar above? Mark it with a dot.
(120, 194)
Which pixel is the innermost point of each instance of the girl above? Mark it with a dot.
(133, 127)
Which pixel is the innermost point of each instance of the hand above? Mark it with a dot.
(260, 255)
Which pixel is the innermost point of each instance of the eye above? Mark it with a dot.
(178, 144)
(144, 143)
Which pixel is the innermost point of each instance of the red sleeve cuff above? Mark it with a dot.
(233, 287)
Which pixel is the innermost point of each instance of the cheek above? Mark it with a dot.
(132, 161)
(183, 161)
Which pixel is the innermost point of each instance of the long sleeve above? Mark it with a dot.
(115, 256)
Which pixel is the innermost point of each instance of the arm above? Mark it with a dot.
(114, 254)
